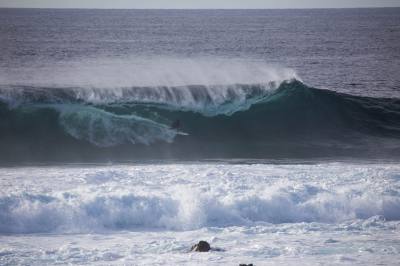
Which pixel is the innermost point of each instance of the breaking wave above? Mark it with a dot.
(285, 118)
(81, 212)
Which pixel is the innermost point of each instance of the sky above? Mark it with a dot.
(198, 3)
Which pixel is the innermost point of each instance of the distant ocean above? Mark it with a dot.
(128, 135)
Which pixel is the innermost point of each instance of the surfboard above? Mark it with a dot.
(182, 133)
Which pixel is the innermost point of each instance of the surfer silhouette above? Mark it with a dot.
(176, 124)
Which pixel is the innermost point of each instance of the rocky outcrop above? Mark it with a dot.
(202, 246)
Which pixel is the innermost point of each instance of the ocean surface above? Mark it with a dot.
(126, 136)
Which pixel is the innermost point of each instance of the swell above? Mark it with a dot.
(260, 120)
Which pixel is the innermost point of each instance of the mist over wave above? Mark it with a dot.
(198, 84)
(114, 73)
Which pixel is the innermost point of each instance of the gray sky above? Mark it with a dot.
(199, 3)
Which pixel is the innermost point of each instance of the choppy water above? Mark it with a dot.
(310, 99)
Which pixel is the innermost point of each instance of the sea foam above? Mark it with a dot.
(201, 196)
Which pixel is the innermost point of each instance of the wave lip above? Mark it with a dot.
(205, 99)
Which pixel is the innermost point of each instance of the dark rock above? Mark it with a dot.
(330, 241)
(243, 264)
(202, 246)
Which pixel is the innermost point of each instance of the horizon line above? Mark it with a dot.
(152, 8)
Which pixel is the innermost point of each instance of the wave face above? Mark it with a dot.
(266, 120)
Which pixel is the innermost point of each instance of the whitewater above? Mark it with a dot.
(266, 214)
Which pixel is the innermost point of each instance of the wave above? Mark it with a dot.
(239, 120)
(88, 212)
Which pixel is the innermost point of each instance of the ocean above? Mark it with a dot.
(127, 136)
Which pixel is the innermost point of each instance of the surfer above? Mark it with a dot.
(176, 124)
